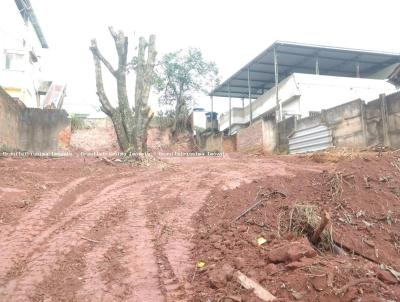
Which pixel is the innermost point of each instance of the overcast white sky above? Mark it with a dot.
(228, 32)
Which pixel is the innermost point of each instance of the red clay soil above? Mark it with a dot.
(365, 216)
(82, 229)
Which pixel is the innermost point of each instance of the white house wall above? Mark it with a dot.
(12, 28)
(15, 36)
(263, 104)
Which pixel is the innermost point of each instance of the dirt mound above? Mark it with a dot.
(361, 193)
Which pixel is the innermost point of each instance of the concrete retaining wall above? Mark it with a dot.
(269, 135)
(285, 128)
(346, 122)
(32, 129)
(211, 142)
(373, 119)
(393, 119)
(359, 125)
(308, 122)
(354, 125)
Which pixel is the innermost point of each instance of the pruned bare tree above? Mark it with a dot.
(130, 124)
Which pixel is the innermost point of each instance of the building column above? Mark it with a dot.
(230, 108)
(357, 69)
(317, 66)
(249, 87)
(278, 104)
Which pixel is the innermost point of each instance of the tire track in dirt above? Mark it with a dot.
(140, 258)
(173, 231)
(99, 261)
(149, 274)
(82, 193)
(42, 207)
(67, 275)
(46, 255)
(132, 245)
(188, 191)
(144, 256)
(16, 239)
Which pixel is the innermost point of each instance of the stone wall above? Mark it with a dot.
(32, 129)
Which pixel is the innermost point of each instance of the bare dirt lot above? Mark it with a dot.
(82, 229)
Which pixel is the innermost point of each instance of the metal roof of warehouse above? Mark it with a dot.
(301, 58)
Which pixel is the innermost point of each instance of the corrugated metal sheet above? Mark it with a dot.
(310, 139)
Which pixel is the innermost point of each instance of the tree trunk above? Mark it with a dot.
(180, 119)
(130, 124)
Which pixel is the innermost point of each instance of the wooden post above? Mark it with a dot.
(257, 289)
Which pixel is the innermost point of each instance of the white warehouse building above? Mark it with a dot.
(291, 79)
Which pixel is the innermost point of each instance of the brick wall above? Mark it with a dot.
(229, 143)
(250, 138)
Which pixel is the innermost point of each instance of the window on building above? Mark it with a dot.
(14, 61)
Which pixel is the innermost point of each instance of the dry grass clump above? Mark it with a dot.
(303, 219)
(336, 186)
(142, 159)
(332, 155)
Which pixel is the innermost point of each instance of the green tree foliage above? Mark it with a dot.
(180, 76)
